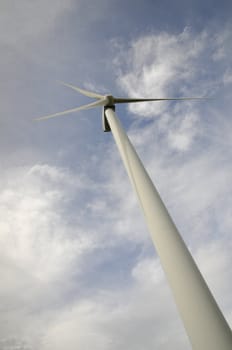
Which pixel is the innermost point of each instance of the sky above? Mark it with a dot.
(78, 268)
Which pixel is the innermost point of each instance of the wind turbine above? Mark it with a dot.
(204, 322)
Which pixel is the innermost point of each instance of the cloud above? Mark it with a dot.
(172, 65)
(122, 318)
(32, 222)
(175, 65)
(38, 247)
(155, 64)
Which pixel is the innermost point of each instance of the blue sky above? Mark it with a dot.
(77, 263)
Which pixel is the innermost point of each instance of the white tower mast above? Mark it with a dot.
(204, 322)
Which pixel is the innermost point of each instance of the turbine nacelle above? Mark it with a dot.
(105, 124)
(110, 100)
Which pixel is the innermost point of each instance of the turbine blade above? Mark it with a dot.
(133, 100)
(82, 91)
(72, 110)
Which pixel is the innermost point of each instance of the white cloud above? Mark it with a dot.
(183, 131)
(38, 246)
(175, 65)
(33, 235)
(156, 64)
(132, 317)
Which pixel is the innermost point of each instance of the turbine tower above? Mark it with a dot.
(204, 322)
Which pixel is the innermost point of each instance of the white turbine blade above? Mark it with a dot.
(88, 106)
(133, 100)
(83, 92)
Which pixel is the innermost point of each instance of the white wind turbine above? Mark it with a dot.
(204, 322)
